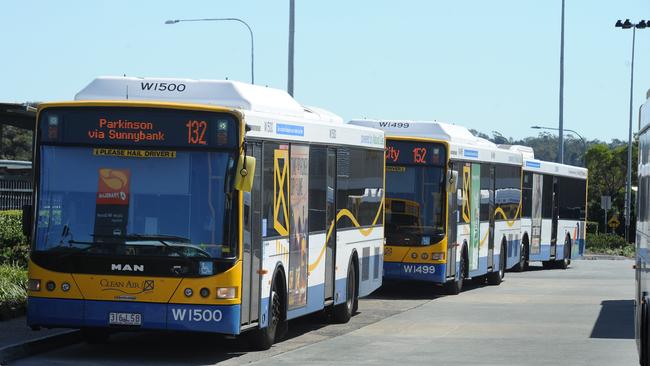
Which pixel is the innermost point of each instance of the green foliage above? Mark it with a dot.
(611, 244)
(16, 143)
(13, 290)
(13, 244)
(592, 227)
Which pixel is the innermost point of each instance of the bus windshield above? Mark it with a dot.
(132, 206)
(136, 182)
(414, 193)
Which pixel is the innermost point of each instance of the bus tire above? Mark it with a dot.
(523, 256)
(454, 287)
(495, 278)
(95, 335)
(644, 345)
(566, 261)
(263, 339)
(343, 312)
(548, 264)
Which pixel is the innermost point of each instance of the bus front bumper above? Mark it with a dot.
(66, 313)
(415, 271)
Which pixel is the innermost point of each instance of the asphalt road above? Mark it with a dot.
(581, 316)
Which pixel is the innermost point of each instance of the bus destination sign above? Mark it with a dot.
(414, 153)
(113, 126)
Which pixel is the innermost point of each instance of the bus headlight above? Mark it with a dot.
(204, 292)
(65, 287)
(188, 292)
(437, 256)
(226, 292)
(34, 285)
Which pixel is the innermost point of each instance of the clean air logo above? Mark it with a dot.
(196, 315)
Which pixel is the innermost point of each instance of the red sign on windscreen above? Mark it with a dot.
(113, 187)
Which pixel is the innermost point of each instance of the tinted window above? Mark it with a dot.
(572, 194)
(486, 191)
(547, 197)
(527, 195)
(317, 188)
(507, 192)
(359, 186)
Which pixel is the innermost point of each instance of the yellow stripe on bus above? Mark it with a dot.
(346, 213)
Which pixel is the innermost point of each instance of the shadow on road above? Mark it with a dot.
(615, 320)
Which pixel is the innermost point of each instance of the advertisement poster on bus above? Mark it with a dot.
(112, 202)
(298, 239)
(474, 225)
(536, 216)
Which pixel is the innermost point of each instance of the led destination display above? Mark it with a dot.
(101, 126)
(414, 153)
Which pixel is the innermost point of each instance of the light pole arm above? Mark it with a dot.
(250, 31)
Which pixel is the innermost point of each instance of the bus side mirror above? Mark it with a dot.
(452, 181)
(27, 220)
(245, 173)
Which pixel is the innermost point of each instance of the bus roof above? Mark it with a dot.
(224, 93)
(540, 166)
(463, 145)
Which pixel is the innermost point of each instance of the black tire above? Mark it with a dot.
(548, 264)
(523, 258)
(644, 347)
(495, 278)
(263, 339)
(566, 261)
(343, 312)
(95, 335)
(455, 287)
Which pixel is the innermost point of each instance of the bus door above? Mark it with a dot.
(491, 219)
(330, 227)
(556, 214)
(452, 222)
(252, 240)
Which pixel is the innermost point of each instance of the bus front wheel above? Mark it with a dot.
(455, 286)
(263, 339)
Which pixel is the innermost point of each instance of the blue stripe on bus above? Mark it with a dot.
(468, 153)
(533, 164)
(67, 313)
(290, 130)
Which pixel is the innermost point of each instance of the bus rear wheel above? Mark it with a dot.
(343, 312)
(523, 258)
(566, 261)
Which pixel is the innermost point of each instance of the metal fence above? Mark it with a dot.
(15, 191)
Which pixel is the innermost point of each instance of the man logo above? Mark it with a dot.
(127, 267)
(147, 285)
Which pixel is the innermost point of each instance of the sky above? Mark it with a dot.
(487, 65)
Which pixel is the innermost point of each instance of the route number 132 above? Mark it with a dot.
(196, 132)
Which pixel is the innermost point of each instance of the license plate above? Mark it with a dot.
(124, 319)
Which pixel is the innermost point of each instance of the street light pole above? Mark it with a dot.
(174, 21)
(561, 114)
(584, 142)
(628, 183)
(292, 31)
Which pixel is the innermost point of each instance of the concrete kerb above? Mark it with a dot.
(591, 257)
(39, 345)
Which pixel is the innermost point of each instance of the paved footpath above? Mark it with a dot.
(581, 316)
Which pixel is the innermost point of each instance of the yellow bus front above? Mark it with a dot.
(415, 224)
(135, 223)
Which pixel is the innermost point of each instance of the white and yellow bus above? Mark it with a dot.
(146, 215)
(452, 204)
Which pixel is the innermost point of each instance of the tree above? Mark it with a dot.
(15, 143)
